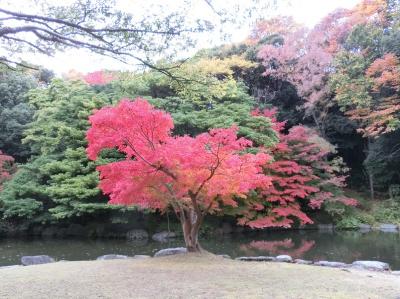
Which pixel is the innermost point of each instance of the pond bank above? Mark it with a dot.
(194, 276)
(341, 246)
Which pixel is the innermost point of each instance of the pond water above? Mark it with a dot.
(344, 246)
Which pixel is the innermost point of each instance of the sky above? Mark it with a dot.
(307, 12)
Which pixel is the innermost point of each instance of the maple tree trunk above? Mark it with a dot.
(191, 223)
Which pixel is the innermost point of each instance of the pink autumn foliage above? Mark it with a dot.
(286, 246)
(300, 173)
(209, 171)
(162, 171)
(99, 78)
(306, 55)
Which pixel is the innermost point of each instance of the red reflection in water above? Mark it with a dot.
(286, 246)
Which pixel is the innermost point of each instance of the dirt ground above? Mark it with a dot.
(192, 276)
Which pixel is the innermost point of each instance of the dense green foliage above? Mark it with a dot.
(58, 182)
(15, 113)
(356, 112)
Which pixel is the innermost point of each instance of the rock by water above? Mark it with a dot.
(170, 251)
(391, 228)
(256, 258)
(303, 262)
(371, 265)
(163, 236)
(36, 260)
(112, 257)
(284, 258)
(364, 227)
(137, 234)
(331, 264)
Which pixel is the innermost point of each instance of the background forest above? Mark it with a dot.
(325, 102)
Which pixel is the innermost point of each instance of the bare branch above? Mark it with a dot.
(7, 62)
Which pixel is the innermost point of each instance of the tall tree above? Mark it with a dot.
(304, 57)
(194, 176)
(58, 182)
(15, 112)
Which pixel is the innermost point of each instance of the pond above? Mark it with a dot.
(343, 246)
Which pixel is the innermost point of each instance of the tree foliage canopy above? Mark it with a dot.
(15, 112)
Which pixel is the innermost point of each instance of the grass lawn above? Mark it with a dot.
(192, 276)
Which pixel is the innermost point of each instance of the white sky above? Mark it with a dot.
(308, 12)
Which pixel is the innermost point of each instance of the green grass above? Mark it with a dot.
(192, 276)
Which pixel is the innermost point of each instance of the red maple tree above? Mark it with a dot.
(192, 175)
(7, 168)
(301, 176)
(208, 173)
(98, 78)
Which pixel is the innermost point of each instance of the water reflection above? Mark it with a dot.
(287, 246)
(313, 245)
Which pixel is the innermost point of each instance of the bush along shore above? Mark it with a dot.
(160, 232)
(356, 265)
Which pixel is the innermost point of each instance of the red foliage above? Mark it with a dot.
(98, 78)
(202, 173)
(281, 25)
(381, 116)
(7, 168)
(206, 173)
(385, 71)
(300, 173)
(286, 246)
(305, 57)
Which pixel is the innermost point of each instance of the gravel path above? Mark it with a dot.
(192, 276)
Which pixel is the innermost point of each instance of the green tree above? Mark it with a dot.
(15, 112)
(367, 88)
(59, 181)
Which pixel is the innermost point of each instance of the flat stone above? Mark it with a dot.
(256, 258)
(170, 251)
(388, 227)
(364, 227)
(331, 264)
(112, 257)
(137, 234)
(371, 265)
(284, 258)
(163, 236)
(303, 262)
(36, 260)
(141, 256)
